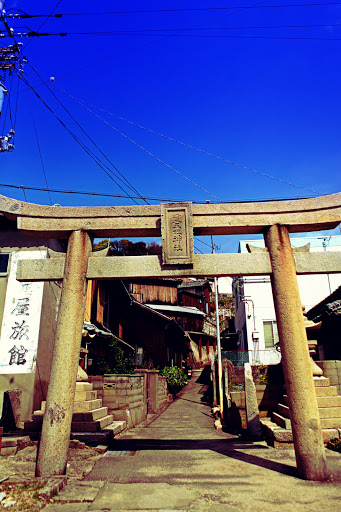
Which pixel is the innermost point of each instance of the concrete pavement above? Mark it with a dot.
(179, 462)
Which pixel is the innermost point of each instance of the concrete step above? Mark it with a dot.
(322, 401)
(93, 415)
(284, 411)
(91, 426)
(84, 386)
(330, 412)
(329, 401)
(281, 421)
(281, 438)
(321, 381)
(88, 405)
(331, 423)
(93, 438)
(85, 395)
(116, 427)
(326, 391)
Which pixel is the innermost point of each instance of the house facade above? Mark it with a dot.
(255, 319)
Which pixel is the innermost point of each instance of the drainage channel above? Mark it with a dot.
(120, 453)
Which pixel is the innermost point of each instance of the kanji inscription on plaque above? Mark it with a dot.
(177, 233)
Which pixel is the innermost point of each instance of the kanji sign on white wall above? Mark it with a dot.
(21, 320)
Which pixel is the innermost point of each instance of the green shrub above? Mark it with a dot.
(175, 377)
(117, 360)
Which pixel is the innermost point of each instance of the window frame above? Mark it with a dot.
(274, 333)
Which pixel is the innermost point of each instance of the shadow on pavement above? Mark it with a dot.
(229, 447)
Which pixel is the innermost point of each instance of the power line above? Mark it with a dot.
(193, 147)
(47, 17)
(41, 156)
(124, 181)
(201, 36)
(147, 151)
(84, 147)
(190, 29)
(159, 199)
(184, 9)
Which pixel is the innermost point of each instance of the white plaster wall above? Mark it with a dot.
(312, 288)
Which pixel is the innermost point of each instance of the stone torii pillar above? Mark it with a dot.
(305, 421)
(55, 436)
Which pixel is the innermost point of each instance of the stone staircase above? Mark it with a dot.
(91, 422)
(278, 429)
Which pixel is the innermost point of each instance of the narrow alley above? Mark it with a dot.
(179, 462)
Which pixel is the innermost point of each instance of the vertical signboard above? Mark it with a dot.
(21, 319)
(177, 233)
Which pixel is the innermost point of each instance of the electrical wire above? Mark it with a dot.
(183, 9)
(159, 199)
(150, 153)
(194, 147)
(47, 17)
(124, 180)
(84, 147)
(41, 156)
(201, 36)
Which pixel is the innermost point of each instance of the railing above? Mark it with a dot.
(254, 357)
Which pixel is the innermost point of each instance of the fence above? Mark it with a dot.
(254, 357)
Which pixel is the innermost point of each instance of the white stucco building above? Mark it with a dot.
(255, 319)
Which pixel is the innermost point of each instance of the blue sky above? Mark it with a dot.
(268, 99)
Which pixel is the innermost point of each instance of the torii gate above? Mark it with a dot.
(177, 222)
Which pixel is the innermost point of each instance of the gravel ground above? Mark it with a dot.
(24, 489)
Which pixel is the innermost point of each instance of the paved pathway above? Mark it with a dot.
(179, 462)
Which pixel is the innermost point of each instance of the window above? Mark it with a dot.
(270, 333)
(4, 264)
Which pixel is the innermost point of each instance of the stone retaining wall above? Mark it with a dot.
(127, 396)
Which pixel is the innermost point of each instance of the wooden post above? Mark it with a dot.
(305, 421)
(55, 436)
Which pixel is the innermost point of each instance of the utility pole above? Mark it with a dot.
(9, 58)
(220, 368)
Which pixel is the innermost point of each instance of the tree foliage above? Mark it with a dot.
(128, 248)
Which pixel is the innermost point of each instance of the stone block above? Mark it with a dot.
(284, 410)
(83, 386)
(120, 414)
(116, 427)
(8, 441)
(95, 414)
(87, 406)
(8, 450)
(85, 395)
(92, 426)
(86, 490)
(326, 391)
(321, 381)
(330, 412)
(252, 412)
(330, 422)
(329, 401)
(282, 421)
(329, 364)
